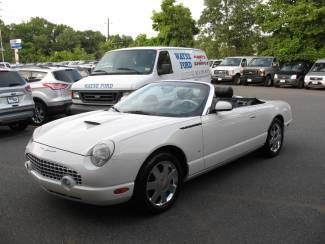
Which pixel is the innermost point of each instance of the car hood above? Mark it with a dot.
(291, 72)
(322, 74)
(78, 134)
(111, 82)
(226, 67)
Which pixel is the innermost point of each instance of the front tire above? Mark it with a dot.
(268, 81)
(158, 183)
(237, 80)
(274, 141)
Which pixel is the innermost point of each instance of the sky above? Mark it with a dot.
(129, 17)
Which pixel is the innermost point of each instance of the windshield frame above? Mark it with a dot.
(124, 70)
(201, 110)
(269, 58)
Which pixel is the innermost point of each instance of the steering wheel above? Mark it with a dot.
(189, 104)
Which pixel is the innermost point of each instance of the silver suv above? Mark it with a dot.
(16, 102)
(51, 90)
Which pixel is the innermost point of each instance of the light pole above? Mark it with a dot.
(3, 60)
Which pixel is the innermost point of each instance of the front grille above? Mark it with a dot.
(52, 170)
(220, 72)
(102, 98)
(250, 72)
(315, 78)
(284, 76)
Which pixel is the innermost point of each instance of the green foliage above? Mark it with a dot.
(174, 24)
(296, 29)
(45, 41)
(227, 27)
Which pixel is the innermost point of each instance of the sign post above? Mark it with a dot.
(16, 45)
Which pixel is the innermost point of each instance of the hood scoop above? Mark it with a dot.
(91, 122)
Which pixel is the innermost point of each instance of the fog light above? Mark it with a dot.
(67, 182)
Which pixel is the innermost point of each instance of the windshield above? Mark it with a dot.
(260, 62)
(126, 62)
(291, 67)
(171, 99)
(318, 67)
(231, 62)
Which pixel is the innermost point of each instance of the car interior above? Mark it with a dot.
(227, 94)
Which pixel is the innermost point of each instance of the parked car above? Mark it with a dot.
(260, 70)
(16, 102)
(152, 141)
(230, 69)
(4, 65)
(51, 90)
(123, 71)
(315, 78)
(292, 74)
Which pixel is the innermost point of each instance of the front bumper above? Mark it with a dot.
(219, 78)
(49, 166)
(252, 79)
(286, 82)
(90, 195)
(315, 85)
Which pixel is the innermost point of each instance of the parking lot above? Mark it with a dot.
(252, 200)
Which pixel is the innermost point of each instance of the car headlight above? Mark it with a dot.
(275, 76)
(75, 95)
(101, 153)
(293, 77)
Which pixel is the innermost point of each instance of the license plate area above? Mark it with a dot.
(249, 80)
(219, 78)
(13, 100)
(315, 82)
(282, 81)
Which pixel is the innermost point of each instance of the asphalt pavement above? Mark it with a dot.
(252, 200)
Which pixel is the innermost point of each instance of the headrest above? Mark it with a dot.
(223, 91)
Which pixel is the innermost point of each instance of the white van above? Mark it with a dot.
(230, 69)
(122, 71)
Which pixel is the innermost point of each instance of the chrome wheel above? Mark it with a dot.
(275, 138)
(162, 183)
(39, 114)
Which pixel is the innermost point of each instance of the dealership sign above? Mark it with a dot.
(15, 44)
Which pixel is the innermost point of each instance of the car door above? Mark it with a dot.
(228, 134)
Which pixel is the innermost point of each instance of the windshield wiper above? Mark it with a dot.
(99, 72)
(115, 109)
(129, 69)
(137, 112)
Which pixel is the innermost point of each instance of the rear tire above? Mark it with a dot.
(19, 126)
(274, 140)
(40, 113)
(158, 183)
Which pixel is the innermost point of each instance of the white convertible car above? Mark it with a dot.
(151, 142)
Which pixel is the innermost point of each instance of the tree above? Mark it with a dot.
(142, 40)
(174, 24)
(114, 42)
(230, 25)
(295, 29)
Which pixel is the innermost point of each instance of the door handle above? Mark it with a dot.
(252, 116)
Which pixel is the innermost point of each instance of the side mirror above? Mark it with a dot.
(222, 106)
(164, 69)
